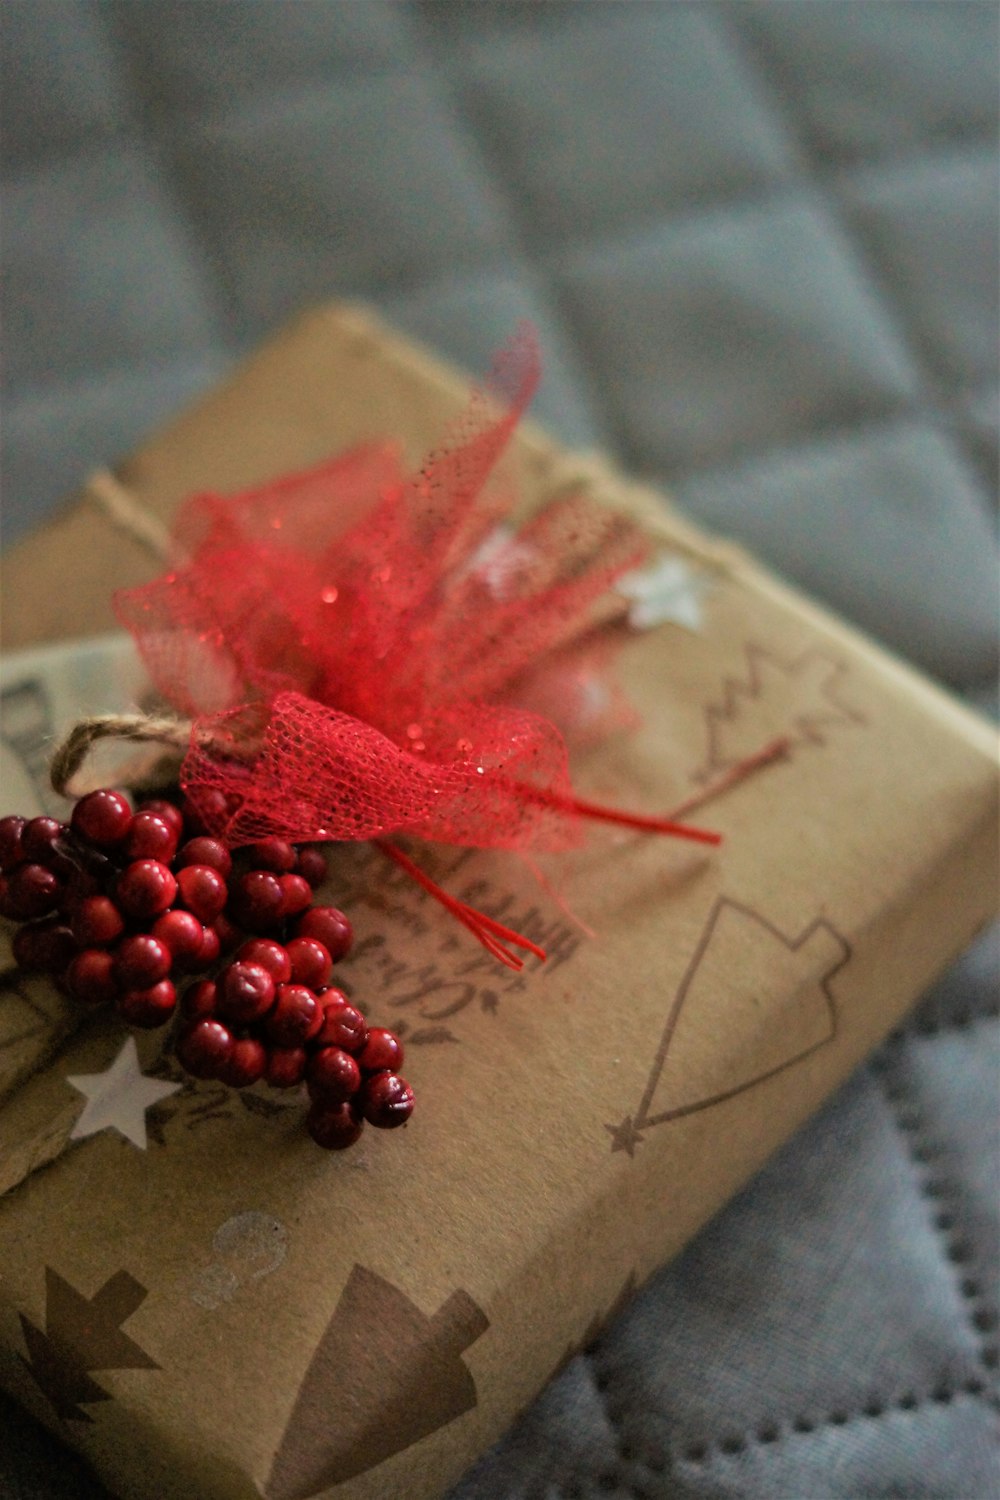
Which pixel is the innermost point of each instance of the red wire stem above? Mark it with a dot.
(493, 934)
(618, 815)
(485, 928)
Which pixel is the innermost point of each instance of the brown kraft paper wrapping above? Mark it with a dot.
(234, 1313)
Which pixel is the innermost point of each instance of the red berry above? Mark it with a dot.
(333, 1127)
(183, 934)
(312, 866)
(272, 854)
(102, 818)
(310, 962)
(43, 841)
(168, 811)
(246, 992)
(11, 849)
(206, 851)
(149, 1007)
(96, 922)
(332, 1075)
(382, 1052)
(247, 1063)
(206, 811)
(227, 932)
(296, 1017)
(296, 895)
(141, 961)
(47, 946)
(330, 926)
(204, 1048)
(270, 955)
(203, 891)
(150, 837)
(343, 1026)
(386, 1101)
(286, 1066)
(198, 1000)
(210, 950)
(91, 977)
(146, 888)
(258, 901)
(32, 891)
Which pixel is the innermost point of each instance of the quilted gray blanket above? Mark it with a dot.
(759, 241)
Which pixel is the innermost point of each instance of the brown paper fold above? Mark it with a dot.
(364, 1325)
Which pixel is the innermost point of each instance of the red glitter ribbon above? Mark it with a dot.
(358, 649)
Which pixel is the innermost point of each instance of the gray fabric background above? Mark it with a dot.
(759, 241)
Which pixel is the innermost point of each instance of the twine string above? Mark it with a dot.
(139, 728)
(127, 514)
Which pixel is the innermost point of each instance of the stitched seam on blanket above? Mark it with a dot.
(923, 1027)
(767, 1434)
(957, 1250)
(921, 352)
(909, 1114)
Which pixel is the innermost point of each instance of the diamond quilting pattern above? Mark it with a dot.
(304, 193)
(653, 98)
(880, 81)
(947, 291)
(706, 360)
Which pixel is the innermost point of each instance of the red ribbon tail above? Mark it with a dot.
(618, 815)
(647, 824)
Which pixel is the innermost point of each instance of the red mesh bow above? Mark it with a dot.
(357, 649)
(350, 642)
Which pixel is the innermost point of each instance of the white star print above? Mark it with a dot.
(665, 591)
(119, 1098)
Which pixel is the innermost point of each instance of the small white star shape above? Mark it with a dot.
(667, 590)
(499, 559)
(119, 1098)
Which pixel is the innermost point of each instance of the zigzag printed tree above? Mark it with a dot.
(798, 700)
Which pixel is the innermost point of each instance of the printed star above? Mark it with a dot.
(665, 591)
(119, 1098)
(624, 1137)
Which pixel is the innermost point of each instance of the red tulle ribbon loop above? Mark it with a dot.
(365, 654)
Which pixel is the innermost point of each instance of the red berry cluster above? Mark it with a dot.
(119, 906)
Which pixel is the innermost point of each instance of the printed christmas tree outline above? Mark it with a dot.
(733, 723)
(629, 1133)
(83, 1334)
(383, 1376)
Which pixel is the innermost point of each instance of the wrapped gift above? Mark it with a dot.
(203, 1301)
